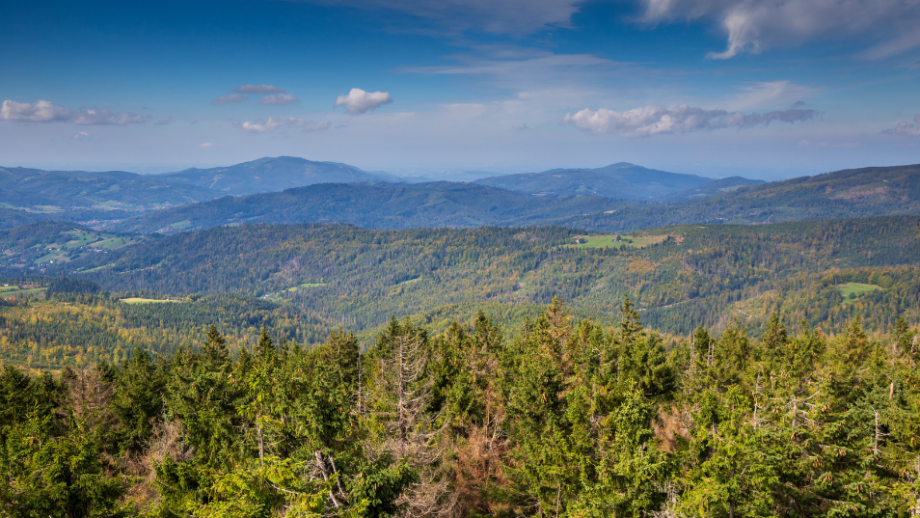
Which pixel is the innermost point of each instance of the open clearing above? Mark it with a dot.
(138, 300)
(852, 290)
(17, 291)
(610, 241)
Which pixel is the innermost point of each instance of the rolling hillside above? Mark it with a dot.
(271, 175)
(709, 273)
(67, 191)
(439, 204)
(622, 181)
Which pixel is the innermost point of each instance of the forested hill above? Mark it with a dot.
(822, 272)
(68, 191)
(384, 205)
(844, 194)
(622, 181)
(270, 174)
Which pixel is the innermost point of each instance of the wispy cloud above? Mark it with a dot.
(756, 25)
(516, 17)
(258, 89)
(229, 99)
(906, 128)
(654, 120)
(82, 135)
(279, 99)
(273, 123)
(46, 111)
(358, 101)
(205, 145)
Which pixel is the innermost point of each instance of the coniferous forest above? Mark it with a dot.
(565, 418)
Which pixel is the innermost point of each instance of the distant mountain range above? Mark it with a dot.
(623, 181)
(854, 193)
(271, 175)
(612, 198)
(381, 205)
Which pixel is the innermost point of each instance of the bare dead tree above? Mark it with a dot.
(408, 428)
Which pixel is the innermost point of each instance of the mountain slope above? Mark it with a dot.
(623, 181)
(679, 276)
(57, 191)
(270, 174)
(438, 204)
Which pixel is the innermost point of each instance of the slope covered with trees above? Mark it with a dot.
(681, 277)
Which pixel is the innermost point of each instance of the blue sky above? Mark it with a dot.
(761, 88)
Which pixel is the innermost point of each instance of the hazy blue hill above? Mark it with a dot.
(271, 174)
(14, 218)
(714, 187)
(60, 191)
(622, 181)
(381, 205)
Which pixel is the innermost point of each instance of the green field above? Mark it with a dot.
(852, 290)
(19, 291)
(181, 225)
(610, 241)
(305, 286)
(138, 300)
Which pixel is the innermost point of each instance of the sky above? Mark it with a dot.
(765, 89)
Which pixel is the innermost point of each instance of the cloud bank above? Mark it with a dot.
(654, 120)
(906, 128)
(358, 101)
(258, 89)
(273, 123)
(229, 99)
(46, 111)
(756, 25)
(279, 99)
(516, 17)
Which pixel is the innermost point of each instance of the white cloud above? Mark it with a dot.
(274, 123)
(358, 101)
(45, 111)
(756, 25)
(279, 99)
(81, 135)
(518, 17)
(258, 89)
(906, 128)
(654, 120)
(766, 94)
(206, 145)
(229, 99)
(40, 111)
(107, 117)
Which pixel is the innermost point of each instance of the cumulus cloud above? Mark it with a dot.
(259, 89)
(229, 99)
(273, 123)
(358, 101)
(906, 128)
(46, 111)
(517, 17)
(756, 25)
(279, 99)
(654, 120)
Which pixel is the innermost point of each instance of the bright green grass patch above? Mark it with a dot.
(610, 241)
(852, 290)
(181, 225)
(306, 285)
(138, 300)
(16, 291)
